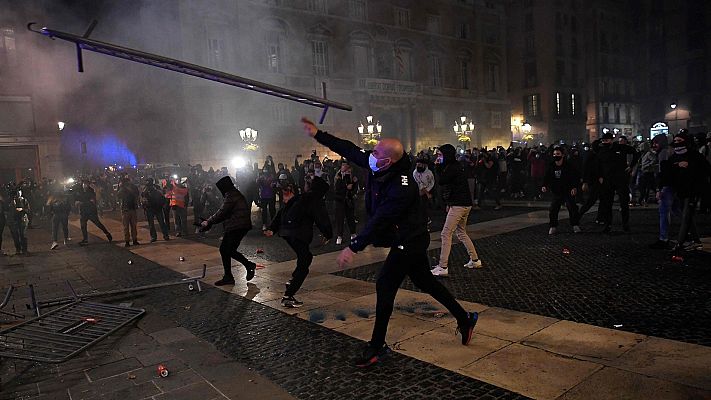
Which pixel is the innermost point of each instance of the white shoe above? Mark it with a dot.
(68, 239)
(473, 264)
(54, 245)
(339, 240)
(552, 231)
(439, 271)
(576, 229)
(353, 236)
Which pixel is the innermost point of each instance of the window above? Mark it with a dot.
(628, 115)
(463, 30)
(436, 70)
(402, 17)
(573, 106)
(492, 77)
(528, 22)
(216, 53)
(274, 47)
(617, 115)
(532, 106)
(318, 6)
(356, 9)
(606, 114)
(437, 119)
(280, 112)
(464, 73)
(433, 24)
(530, 74)
(360, 61)
(557, 103)
(530, 43)
(319, 55)
(8, 51)
(495, 120)
(403, 63)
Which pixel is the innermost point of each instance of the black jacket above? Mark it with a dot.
(612, 161)
(392, 200)
(234, 213)
(87, 201)
(452, 179)
(689, 181)
(311, 209)
(561, 180)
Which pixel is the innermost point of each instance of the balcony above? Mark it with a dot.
(389, 87)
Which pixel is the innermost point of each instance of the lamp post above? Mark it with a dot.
(370, 133)
(463, 130)
(249, 137)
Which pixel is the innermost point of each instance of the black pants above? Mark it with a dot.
(2, 226)
(17, 230)
(228, 250)
(93, 218)
(687, 230)
(610, 187)
(60, 220)
(411, 261)
(303, 262)
(570, 204)
(647, 182)
(158, 215)
(342, 210)
(268, 210)
(593, 197)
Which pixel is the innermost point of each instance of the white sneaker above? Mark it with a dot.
(353, 236)
(576, 229)
(439, 271)
(473, 264)
(552, 231)
(54, 245)
(339, 240)
(68, 239)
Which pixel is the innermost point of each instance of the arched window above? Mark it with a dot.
(274, 38)
(402, 57)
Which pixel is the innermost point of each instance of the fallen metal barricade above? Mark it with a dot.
(7, 300)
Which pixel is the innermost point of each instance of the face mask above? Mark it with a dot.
(420, 169)
(557, 158)
(373, 163)
(680, 149)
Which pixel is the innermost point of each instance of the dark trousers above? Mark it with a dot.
(687, 230)
(197, 205)
(180, 215)
(570, 204)
(593, 197)
(411, 261)
(607, 197)
(60, 220)
(166, 215)
(303, 262)
(647, 183)
(490, 189)
(93, 218)
(228, 250)
(268, 210)
(158, 215)
(342, 210)
(17, 230)
(2, 226)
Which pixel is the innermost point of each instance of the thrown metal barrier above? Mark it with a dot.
(84, 43)
(6, 300)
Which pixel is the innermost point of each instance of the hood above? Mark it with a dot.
(319, 186)
(662, 140)
(225, 185)
(449, 153)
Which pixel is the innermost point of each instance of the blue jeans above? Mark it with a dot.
(666, 208)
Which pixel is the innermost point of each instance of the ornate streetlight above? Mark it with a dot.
(249, 137)
(463, 130)
(370, 133)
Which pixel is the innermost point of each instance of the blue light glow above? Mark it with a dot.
(102, 149)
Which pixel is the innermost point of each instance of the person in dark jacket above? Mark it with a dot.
(455, 193)
(397, 219)
(59, 209)
(153, 203)
(18, 221)
(613, 170)
(128, 196)
(236, 221)
(345, 186)
(86, 197)
(295, 223)
(562, 180)
(686, 172)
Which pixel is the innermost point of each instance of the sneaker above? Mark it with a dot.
(291, 302)
(576, 229)
(467, 330)
(83, 243)
(552, 230)
(178, 234)
(225, 281)
(135, 243)
(108, 237)
(694, 245)
(497, 208)
(153, 239)
(250, 271)
(127, 244)
(54, 245)
(659, 245)
(68, 239)
(473, 264)
(372, 355)
(439, 271)
(339, 240)
(353, 236)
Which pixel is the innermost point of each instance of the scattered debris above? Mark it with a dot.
(566, 250)
(617, 325)
(187, 307)
(131, 376)
(130, 262)
(162, 371)
(678, 259)
(181, 258)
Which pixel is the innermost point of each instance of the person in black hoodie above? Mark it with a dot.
(236, 219)
(455, 193)
(396, 219)
(295, 223)
(614, 172)
(562, 180)
(59, 209)
(686, 172)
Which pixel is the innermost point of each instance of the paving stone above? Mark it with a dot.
(141, 391)
(114, 368)
(178, 380)
(200, 390)
(172, 335)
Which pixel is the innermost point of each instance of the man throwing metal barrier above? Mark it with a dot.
(235, 217)
(295, 223)
(397, 220)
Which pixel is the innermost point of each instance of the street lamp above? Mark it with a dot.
(370, 133)
(249, 137)
(463, 130)
(60, 125)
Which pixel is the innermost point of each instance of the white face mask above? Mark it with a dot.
(373, 163)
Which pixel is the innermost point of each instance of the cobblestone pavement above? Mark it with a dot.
(276, 249)
(605, 280)
(305, 359)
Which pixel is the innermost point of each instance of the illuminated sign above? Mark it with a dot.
(660, 128)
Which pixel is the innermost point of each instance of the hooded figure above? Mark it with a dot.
(455, 190)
